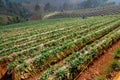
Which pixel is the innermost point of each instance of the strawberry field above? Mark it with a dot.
(56, 49)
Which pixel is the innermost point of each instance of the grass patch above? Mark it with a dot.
(115, 65)
(108, 71)
(117, 54)
(101, 77)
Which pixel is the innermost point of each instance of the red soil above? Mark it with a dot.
(35, 76)
(99, 65)
(3, 69)
(96, 69)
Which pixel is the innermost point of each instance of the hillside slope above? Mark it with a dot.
(107, 10)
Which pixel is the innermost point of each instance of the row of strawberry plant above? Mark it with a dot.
(48, 58)
(43, 30)
(47, 28)
(33, 37)
(10, 50)
(36, 41)
(65, 39)
(71, 67)
(44, 61)
(34, 27)
(69, 37)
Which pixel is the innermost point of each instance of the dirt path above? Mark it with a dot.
(99, 65)
(35, 76)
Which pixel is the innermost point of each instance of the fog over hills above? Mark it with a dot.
(25, 8)
(117, 1)
(58, 1)
(28, 8)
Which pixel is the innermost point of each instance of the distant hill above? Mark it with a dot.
(53, 2)
(9, 7)
(26, 8)
(56, 2)
(117, 1)
(107, 10)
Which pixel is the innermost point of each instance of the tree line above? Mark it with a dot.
(19, 12)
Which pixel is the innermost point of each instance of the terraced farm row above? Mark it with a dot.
(107, 10)
(57, 51)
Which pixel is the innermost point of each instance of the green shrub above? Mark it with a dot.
(115, 65)
(61, 73)
(117, 53)
(1, 21)
(101, 77)
(108, 71)
(15, 19)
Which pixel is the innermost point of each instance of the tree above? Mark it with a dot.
(2, 6)
(65, 6)
(47, 7)
(92, 3)
(1, 21)
(15, 19)
(1, 3)
(37, 7)
(17, 9)
(38, 12)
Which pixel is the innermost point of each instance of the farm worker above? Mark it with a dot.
(83, 17)
(102, 14)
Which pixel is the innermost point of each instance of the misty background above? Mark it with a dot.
(16, 11)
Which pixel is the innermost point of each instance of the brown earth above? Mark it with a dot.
(35, 76)
(99, 65)
(3, 69)
(5, 74)
(117, 77)
(96, 69)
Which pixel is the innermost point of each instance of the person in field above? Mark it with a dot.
(83, 17)
(102, 14)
